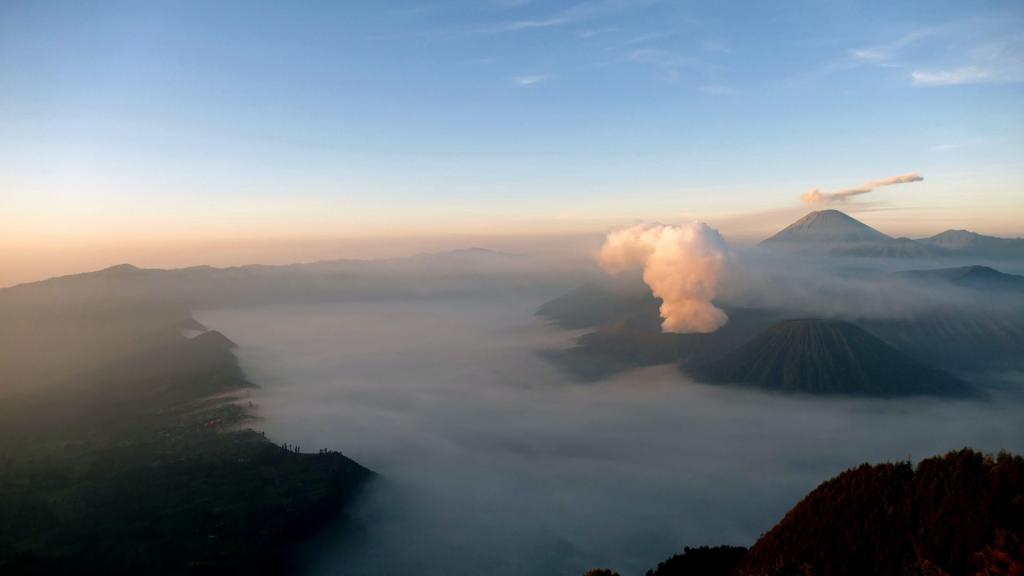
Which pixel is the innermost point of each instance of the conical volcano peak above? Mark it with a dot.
(823, 356)
(829, 227)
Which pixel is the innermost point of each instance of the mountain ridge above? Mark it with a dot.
(836, 233)
(975, 276)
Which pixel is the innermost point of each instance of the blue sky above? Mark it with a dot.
(122, 120)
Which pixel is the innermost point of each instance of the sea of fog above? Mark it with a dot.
(492, 461)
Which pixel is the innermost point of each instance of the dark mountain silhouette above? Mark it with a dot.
(961, 513)
(975, 277)
(121, 270)
(826, 357)
(702, 561)
(967, 243)
(214, 339)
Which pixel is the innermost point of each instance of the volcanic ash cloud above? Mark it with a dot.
(681, 264)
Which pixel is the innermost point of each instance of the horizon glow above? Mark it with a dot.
(170, 134)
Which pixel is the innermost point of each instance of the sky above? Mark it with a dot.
(184, 132)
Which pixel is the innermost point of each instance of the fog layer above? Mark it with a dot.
(493, 462)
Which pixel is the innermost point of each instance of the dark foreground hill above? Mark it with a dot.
(962, 513)
(124, 449)
(826, 357)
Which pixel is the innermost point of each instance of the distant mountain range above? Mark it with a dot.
(625, 333)
(826, 357)
(873, 354)
(973, 277)
(967, 243)
(456, 273)
(837, 233)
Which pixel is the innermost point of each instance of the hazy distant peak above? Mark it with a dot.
(120, 269)
(954, 238)
(963, 239)
(966, 242)
(976, 276)
(214, 339)
(473, 252)
(476, 250)
(828, 226)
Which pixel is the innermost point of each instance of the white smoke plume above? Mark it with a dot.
(681, 264)
(841, 196)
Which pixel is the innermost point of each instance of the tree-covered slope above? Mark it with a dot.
(962, 513)
(957, 514)
(124, 448)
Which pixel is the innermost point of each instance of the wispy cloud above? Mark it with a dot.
(530, 24)
(816, 196)
(951, 77)
(715, 47)
(573, 14)
(952, 146)
(529, 79)
(646, 38)
(885, 54)
(669, 65)
(718, 90)
(509, 3)
(974, 51)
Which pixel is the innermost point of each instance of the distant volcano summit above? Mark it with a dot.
(827, 357)
(827, 227)
(836, 233)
